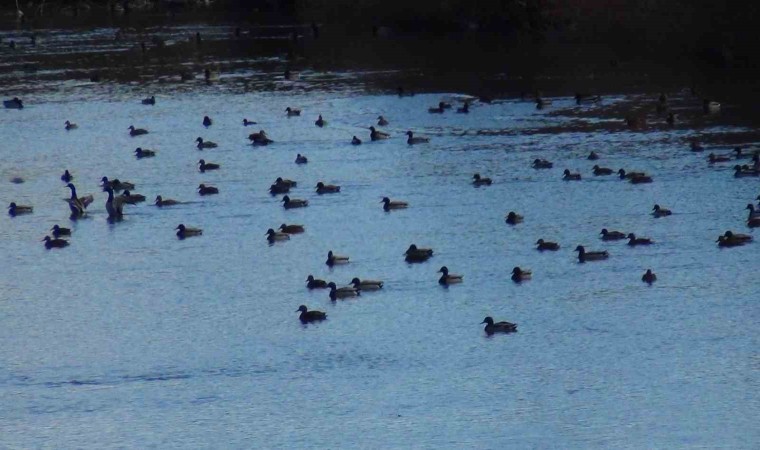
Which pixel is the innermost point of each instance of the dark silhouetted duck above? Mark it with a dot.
(279, 188)
(67, 177)
(376, 135)
(389, 204)
(737, 236)
(314, 283)
(247, 122)
(203, 166)
(671, 119)
(634, 241)
(567, 176)
(659, 211)
(545, 245)
(259, 138)
(289, 183)
(367, 285)
(77, 205)
(292, 111)
(356, 141)
(448, 278)
(342, 292)
(612, 235)
(519, 275)
(753, 221)
(649, 277)
(185, 232)
(273, 236)
(161, 202)
(207, 190)
(542, 164)
(17, 210)
(320, 122)
(584, 98)
(141, 153)
(628, 175)
(592, 156)
(542, 103)
(513, 218)
(465, 109)
(136, 131)
(59, 231)
(292, 229)
(14, 103)
(132, 198)
(641, 179)
(70, 126)
(150, 100)
(207, 121)
(411, 140)
(439, 109)
(307, 316)
(599, 171)
(723, 241)
(712, 158)
(205, 144)
(300, 159)
(381, 121)
(55, 243)
(498, 327)
(333, 259)
(116, 184)
(290, 203)
(416, 255)
(327, 188)
(745, 171)
(695, 146)
(115, 205)
(477, 180)
(753, 212)
(584, 256)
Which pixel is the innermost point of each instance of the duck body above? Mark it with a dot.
(584, 256)
(185, 232)
(292, 112)
(592, 156)
(203, 166)
(70, 126)
(744, 238)
(417, 255)
(207, 121)
(78, 205)
(292, 229)
(601, 171)
(201, 144)
(628, 175)
(137, 131)
(273, 236)
(307, 316)
(67, 177)
(612, 235)
(259, 138)
(568, 176)
(498, 327)
(59, 231)
(14, 103)
(334, 260)
(279, 188)
(367, 285)
(132, 198)
(55, 243)
(477, 180)
(320, 122)
(712, 158)
(542, 164)
(377, 135)
(513, 218)
(207, 190)
(342, 292)
(644, 179)
(745, 171)
(723, 241)
(412, 140)
(300, 159)
(519, 275)
(449, 278)
(381, 121)
(18, 210)
(327, 188)
(141, 153)
(389, 204)
(315, 283)
(116, 184)
(115, 205)
(649, 277)
(290, 203)
(356, 141)
(659, 211)
(634, 241)
(149, 101)
(544, 245)
(161, 202)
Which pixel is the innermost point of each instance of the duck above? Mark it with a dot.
(17, 210)
(273, 236)
(695, 146)
(411, 140)
(541, 103)
(307, 316)
(712, 158)
(634, 241)
(290, 203)
(149, 101)
(671, 119)
(649, 277)
(320, 122)
(513, 218)
(415, 255)
(292, 111)
(210, 75)
(464, 109)
(67, 177)
(205, 144)
(333, 259)
(745, 171)
(612, 235)
(77, 205)
(448, 278)
(389, 204)
(381, 121)
(207, 121)
(136, 131)
(289, 183)
(584, 256)
(439, 109)
(542, 164)
(342, 292)
(753, 212)
(141, 153)
(641, 180)
(628, 175)
(70, 126)
(567, 176)
(356, 141)
(659, 211)
(247, 122)
(260, 138)
(519, 275)
(723, 241)
(116, 184)
(753, 221)
(203, 166)
(327, 188)
(581, 98)
(207, 190)
(185, 232)
(279, 188)
(477, 180)
(300, 159)
(55, 243)
(292, 228)
(59, 231)
(599, 171)
(592, 156)
(737, 236)
(367, 285)
(546, 245)
(161, 202)
(315, 283)
(376, 135)
(498, 327)
(115, 205)
(132, 198)
(14, 103)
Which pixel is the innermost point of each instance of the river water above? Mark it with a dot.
(132, 338)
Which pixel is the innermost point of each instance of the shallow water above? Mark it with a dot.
(133, 338)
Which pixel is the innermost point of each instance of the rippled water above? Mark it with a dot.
(133, 338)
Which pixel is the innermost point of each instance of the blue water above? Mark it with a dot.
(133, 338)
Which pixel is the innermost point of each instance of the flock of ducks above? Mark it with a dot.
(115, 205)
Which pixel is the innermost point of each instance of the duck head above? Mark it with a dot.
(180, 227)
(444, 270)
(302, 308)
(488, 320)
(580, 249)
(286, 199)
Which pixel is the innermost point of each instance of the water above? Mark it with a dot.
(133, 338)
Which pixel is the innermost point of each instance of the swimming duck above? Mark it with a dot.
(752, 211)
(207, 190)
(634, 241)
(541, 102)
(745, 171)
(260, 138)
(753, 221)
(710, 107)
(136, 131)
(310, 316)
(737, 236)
(17, 210)
(567, 176)
(327, 188)
(289, 183)
(55, 243)
(381, 121)
(519, 275)
(695, 146)
(416, 140)
(513, 218)
(356, 141)
(498, 327)
(207, 121)
(67, 177)
(320, 122)
(115, 205)
(59, 231)
(671, 119)
(70, 126)
(477, 180)
(292, 111)
(581, 98)
(659, 211)
(342, 292)
(315, 283)
(599, 171)
(132, 198)
(141, 153)
(292, 229)
(723, 241)
(279, 188)
(247, 122)
(14, 103)
(544, 245)
(333, 259)
(641, 180)
(376, 135)
(367, 285)
(150, 100)
(116, 184)
(592, 156)
(612, 235)
(210, 75)
(205, 144)
(584, 256)
(389, 204)
(416, 255)
(465, 109)
(628, 175)
(300, 159)
(77, 205)
(542, 164)
(161, 202)
(273, 236)
(184, 232)
(290, 203)
(712, 158)
(649, 277)
(437, 110)
(448, 278)
(203, 166)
